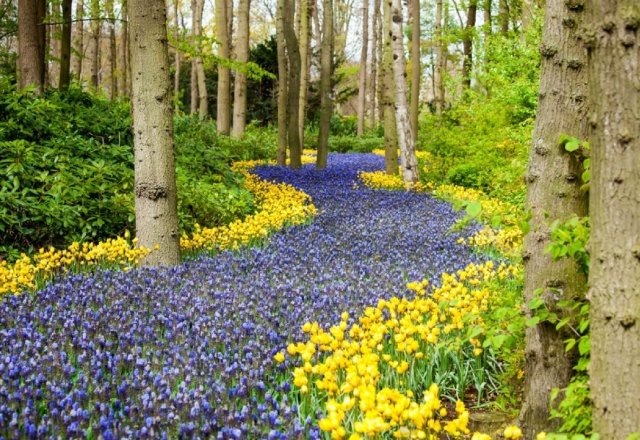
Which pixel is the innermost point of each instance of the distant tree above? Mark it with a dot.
(65, 46)
(96, 32)
(486, 9)
(503, 16)
(305, 62)
(293, 86)
(31, 44)
(223, 113)
(242, 56)
(388, 95)
(467, 43)
(440, 50)
(553, 193)
(155, 180)
(416, 69)
(326, 69)
(362, 82)
(614, 276)
(373, 77)
(283, 73)
(113, 57)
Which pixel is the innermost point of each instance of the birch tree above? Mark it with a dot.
(388, 96)
(155, 180)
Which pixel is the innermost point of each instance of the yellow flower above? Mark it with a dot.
(279, 357)
(512, 432)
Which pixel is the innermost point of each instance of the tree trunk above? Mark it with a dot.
(293, 89)
(408, 160)
(373, 78)
(326, 69)
(126, 66)
(416, 68)
(527, 17)
(30, 69)
(362, 82)
(223, 114)
(53, 18)
(178, 57)
(283, 70)
(193, 107)
(553, 193)
(242, 56)
(487, 17)
(79, 41)
(467, 43)
(65, 46)
(388, 96)
(113, 63)
(96, 28)
(305, 34)
(203, 100)
(438, 93)
(155, 179)
(503, 16)
(614, 278)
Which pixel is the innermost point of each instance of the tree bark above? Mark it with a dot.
(203, 100)
(223, 113)
(326, 69)
(30, 49)
(155, 180)
(362, 82)
(388, 97)
(408, 160)
(79, 40)
(553, 193)
(96, 29)
(126, 66)
(438, 93)
(193, 80)
(65, 46)
(614, 278)
(293, 89)
(113, 63)
(526, 17)
(305, 34)
(503, 16)
(283, 70)
(416, 68)
(375, 48)
(242, 56)
(486, 8)
(467, 43)
(178, 55)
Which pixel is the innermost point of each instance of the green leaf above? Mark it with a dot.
(570, 343)
(532, 322)
(535, 303)
(473, 209)
(584, 346)
(572, 145)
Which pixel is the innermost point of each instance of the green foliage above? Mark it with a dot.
(569, 239)
(469, 175)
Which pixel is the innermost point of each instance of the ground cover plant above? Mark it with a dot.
(193, 348)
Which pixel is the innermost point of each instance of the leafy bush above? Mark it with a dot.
(468, 175)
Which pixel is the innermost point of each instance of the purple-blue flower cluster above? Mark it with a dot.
(188, 351)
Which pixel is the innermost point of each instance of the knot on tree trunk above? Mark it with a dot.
(151, 191)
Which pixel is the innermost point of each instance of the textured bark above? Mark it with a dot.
(78, 41)
(553, 193)
(242, 56)
(52, 44)
(467, 43)
(178, 55)
(113, 63)
(486, 10)
(362, 81)
(388, 97)
(293, 88)
(526, 16)
(126, 67)
(326, 68)
(65, 46)
(375, 48)
(155, 180)
(416, 68)
(614, 278)
(223, 113)
(94, 48)
(408, 160)
(438, 93)
(203, 100)
(283, 69)
(305, 35)
(193, 77)
(503, 16)
(30, 49)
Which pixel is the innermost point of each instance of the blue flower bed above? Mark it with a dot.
(188, 351)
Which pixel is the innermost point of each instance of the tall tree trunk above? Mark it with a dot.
(408, 160)
(30, 59)
(223, 114)
(362, 82)
(79, 41)
(283, 70)
(293, 89)
(326, 70)
(467, 43)
(242, 56)
(96, 29)
(373, 78)
(553, 193)
(113, 63)
(614, 278)
(52, 45)
(526, 17)
(203, 100)
(503, 16)
(178, 56)
(155, 179)
(388, 96)
(305, 35)
(65, 46)
(486, 8)
(43, 36)
(194, 68)
(440, 55)
(126, 65)
(416, 68)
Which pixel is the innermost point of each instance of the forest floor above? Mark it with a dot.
(191, 348)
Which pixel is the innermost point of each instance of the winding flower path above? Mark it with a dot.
(189, 350)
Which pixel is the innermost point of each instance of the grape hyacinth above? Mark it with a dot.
(188, 351)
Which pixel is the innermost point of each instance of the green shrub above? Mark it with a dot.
(468, 175)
